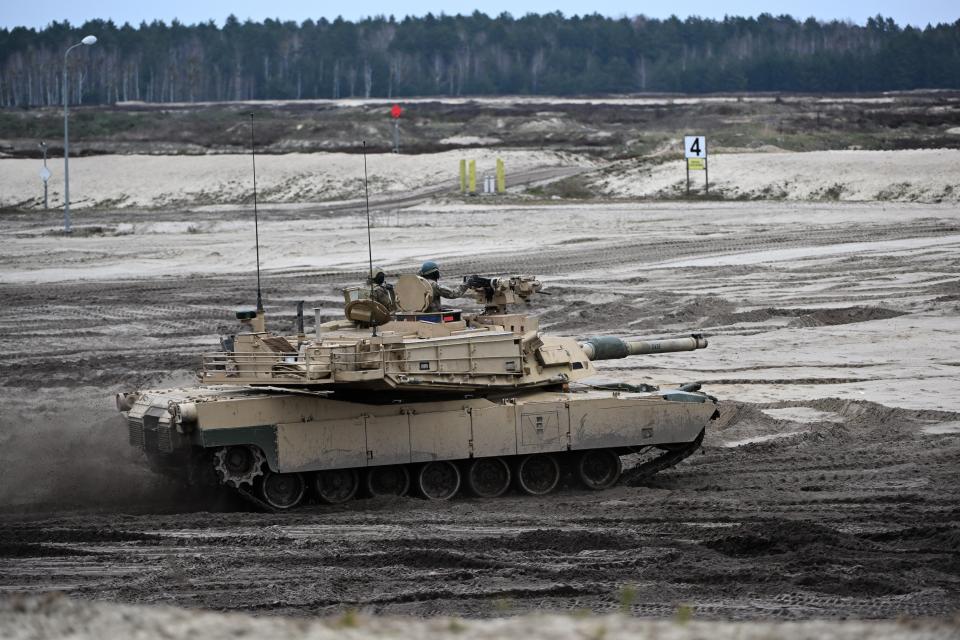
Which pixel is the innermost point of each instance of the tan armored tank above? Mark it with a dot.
(428, 402)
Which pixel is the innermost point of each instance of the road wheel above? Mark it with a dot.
(391, 480)
(488, 477)
(438, 480)
(336, 485)
(282, 490)
(599, 469)
(538, 474)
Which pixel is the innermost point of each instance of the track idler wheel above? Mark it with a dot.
(336, 485)
(282, 490)
(390, 480)
(599, 469)
(488, 477)
(538, 474)
(238, 465)
(438, 480)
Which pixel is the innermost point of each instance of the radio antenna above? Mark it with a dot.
(256, 221)
(366, 195)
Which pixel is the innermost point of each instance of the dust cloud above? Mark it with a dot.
(70, 451)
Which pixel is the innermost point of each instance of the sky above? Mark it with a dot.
(38, 14)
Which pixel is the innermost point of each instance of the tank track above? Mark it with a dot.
(255, 501)
(639, 474)
(632, 477)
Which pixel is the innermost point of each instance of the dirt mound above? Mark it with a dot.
(849, 315)
(733, 413)
(566, 541)
(775, 537)
(864, 413)
(699, 308)
(804, 317)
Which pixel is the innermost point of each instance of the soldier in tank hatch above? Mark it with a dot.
(431, 271)
(381, 291)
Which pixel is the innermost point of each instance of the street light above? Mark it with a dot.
(88, 40)
(44, 173)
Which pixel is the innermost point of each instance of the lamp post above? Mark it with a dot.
(88, 40)
(44, 173)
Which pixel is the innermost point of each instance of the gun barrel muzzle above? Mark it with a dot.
(612, 348)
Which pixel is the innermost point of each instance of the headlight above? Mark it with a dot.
(125, 401)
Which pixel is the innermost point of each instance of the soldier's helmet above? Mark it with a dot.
(430, 270)
(379, 275)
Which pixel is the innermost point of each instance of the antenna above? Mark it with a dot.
(256, 221)
(366, 195)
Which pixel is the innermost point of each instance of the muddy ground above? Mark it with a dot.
(827, 489)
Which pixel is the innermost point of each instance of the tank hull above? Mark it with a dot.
(305, 433)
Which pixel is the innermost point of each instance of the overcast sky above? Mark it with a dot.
(38, 14)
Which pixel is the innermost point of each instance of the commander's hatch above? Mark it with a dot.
(414, 294)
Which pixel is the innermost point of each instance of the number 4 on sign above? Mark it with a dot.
(695, 152)
(694, 147)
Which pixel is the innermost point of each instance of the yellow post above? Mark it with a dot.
(501, 177)
(473, 176)
(463, 176)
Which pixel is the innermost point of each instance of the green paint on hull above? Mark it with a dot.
(264, 437)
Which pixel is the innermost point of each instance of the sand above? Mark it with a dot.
(147, 181)
(928, 175)
(135, 182)
(57, 617)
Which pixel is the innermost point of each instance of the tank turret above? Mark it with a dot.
(414, 350)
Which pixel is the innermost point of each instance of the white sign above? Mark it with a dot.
(694, 147)
(45, 174)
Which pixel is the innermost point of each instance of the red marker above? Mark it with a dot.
(396, 111)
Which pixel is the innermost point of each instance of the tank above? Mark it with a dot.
(412, 401)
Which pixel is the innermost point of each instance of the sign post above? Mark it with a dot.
(695, 154)
(395, 114)
(44, 172)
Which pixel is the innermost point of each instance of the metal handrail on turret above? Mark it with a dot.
(320, 366)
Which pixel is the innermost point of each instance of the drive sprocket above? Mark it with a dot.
(238, 465)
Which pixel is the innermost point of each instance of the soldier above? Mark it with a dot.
(431, 272)
(381, 291)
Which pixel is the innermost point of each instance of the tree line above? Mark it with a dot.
(548, 54)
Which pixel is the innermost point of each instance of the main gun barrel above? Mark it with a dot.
(612, 348)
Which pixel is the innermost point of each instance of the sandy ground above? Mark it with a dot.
(135, 182)
(52, 617)
(796, 278)
(927, 175)
(826, 490)
(145, 181)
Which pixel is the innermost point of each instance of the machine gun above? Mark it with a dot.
(495, 294)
